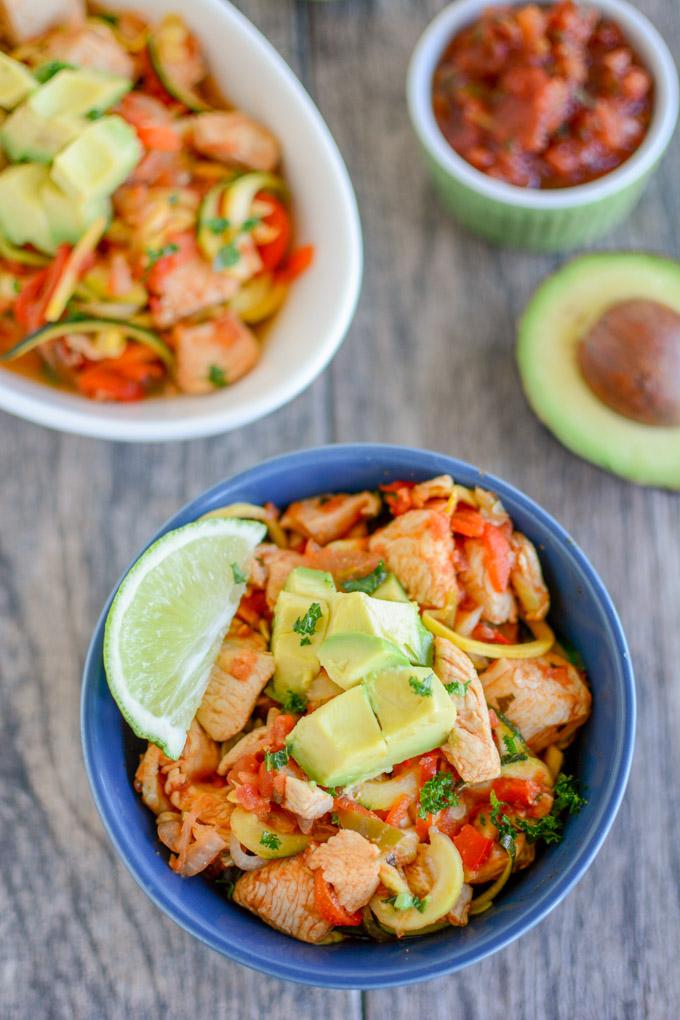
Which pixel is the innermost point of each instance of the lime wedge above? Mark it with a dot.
(168, 620)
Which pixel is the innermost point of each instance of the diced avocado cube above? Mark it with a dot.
(314, 583)
(392, 590)
(398, 622)
(76, 92)
(413, 708)
(16, 82)
(26, 135)
(348, 658)
(69, 217)
(22, 217)
(341, 742)
(297, 633)
(98, 160)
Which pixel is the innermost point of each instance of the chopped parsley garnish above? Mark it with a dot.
(437, 793)
(306, 625)
(16, 284)
(228, 885)
(155, 254)
(506, 830)
(370, 583)
(48, 70)
(275, 760)
(567, 797)
(458, 687)
(227, 256)
(217, 224)
(512, 752)
(94, 115)
(294, 702)
(404, 901)
(250, 223)
(334, 818)
(422, 687)
(548, 828)
(270, 840)
(108, 17)
(218, 377)
(332, 790)
(239, 576)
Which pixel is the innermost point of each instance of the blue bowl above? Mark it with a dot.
(583, 614)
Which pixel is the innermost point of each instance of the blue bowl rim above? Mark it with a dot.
(352, 978)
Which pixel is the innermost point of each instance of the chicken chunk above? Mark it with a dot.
(250, 743)
(209, 804)
(278, 564)
(526, 578)
(239, 675)
(150, 780)
(282, 894)
(351, 865)
(186, 288)
(418, 547)
(460, 912)
(326, 518)
(470, 748)
(440, 487)
(198, 760)
(497, 607)
(348, 557)
(236, 139)
(214, 354)
(546, 698)
(306, 801)
(93, 45)
(24, 19)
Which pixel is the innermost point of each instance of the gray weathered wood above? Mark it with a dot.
(429, 361)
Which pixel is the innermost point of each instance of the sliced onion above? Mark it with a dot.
(242, 860)
(169, 826)
(203, 851)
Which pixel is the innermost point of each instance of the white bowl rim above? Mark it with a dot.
(67, 412)
(645, 39)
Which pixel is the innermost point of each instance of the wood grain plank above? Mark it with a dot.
(430, 361)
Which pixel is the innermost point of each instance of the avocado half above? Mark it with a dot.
(564, 309)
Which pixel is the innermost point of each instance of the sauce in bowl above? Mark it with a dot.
(542, 97)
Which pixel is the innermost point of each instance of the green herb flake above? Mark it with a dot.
(237, 573)
(506, 830)
(512, 752)
(109, 17)
(422, 687)
(218, 377)
(335, 820)
(154, 255)
(216, 224)
(227, 884)
(275, 760)
(368, 584)
(306, 625)
(250, 223)
(295, 703)
(94, 115)
(16, 284)
(227, 256)
(437, 793)
(406, 901)
(548, 828)
(458, 687)
(567, 796)
(48, 70)
(173, 199)
(270, 840)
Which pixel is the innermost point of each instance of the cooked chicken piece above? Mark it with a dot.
(278, 564)
(150, 781)
(496, 862)
(470, 747)
(490, 507)
(93, 45)
(209, 804)
(546, 698)
(236, 139)
(198, 760)
(305, 800)
(216, 353)
(351, 865)
(326, 518)
(197, 847)
(282, 894)
(418, 547)
(526, 578)
(497, 607)
(459, 914)
(348, 557)
(250, 743)
(186, 288)
(418, 875)
(24, 19)
(238, 677)
(440, 487)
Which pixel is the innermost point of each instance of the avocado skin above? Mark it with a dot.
(563, 308)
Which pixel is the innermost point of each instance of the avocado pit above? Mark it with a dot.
(630, 359)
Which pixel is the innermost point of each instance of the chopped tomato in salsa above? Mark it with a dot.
(542, 97)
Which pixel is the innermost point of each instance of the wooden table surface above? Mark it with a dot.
(428, 361)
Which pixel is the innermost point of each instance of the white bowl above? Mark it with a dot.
(316, 315)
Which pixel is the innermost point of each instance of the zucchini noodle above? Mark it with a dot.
(485, 899)
(543, 634)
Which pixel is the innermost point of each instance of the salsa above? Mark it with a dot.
(542, 97)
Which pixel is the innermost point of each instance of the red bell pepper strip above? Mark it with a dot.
(497, 556)
(272, 253)
(473, 847)
(517, 792)
(296, 264)
(468, 522)
(398, 813)
(328, 906)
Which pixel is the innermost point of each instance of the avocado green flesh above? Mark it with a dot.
(16, 82)
(396, 622)
(98, 160)
(313, 583)
(23, 220)
(76, 92)
(411, 722)
(295, 654)
(26, 135)
(348, 658)
(392, 590)
(563, 309)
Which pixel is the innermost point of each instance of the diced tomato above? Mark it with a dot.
(449, 822)
(428, 766)
(398, 813)
(398, 496)
(247, 763)
(249, 797)
(278, 219)
(181, 247)
(517, 792)
(328, 906)
(97, 382)
(279, 791)
(151, 121)
(296, 264)
(253, 607)
(423, 827)
(497, 556)
(492, 635)
(281, 727)
(473, 847)
(265, 781)
(468, 522)
(31, 304)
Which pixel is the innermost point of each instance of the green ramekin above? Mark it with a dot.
(541, 220)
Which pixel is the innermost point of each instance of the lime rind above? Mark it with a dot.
(167, 622)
